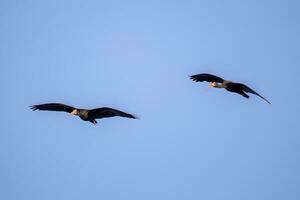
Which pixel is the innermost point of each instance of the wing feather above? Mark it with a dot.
(249, 90)
(206, 77)
(106, 112)
(53, 107)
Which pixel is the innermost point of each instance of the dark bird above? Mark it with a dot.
(230, 86)
(84, 114)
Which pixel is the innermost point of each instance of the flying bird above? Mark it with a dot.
(230, 86)
(84, 114)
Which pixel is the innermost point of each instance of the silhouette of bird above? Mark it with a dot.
(230, 86)
(84, 114)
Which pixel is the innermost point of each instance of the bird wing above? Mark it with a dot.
(249, 90)
(206, 77)
(53, 107)
(105, 112)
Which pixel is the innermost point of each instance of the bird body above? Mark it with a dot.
(84, 114)
(236, 88)
(230, 86)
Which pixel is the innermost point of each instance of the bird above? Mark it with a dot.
(84, 114)
(230, 86)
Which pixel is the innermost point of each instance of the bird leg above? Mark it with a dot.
(94, 121)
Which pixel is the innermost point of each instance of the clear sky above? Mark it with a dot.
(192, 142)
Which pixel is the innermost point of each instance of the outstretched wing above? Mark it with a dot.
(53, 107)
(206, 77)
(105, 112)
(249, 90)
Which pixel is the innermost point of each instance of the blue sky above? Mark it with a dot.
(192, 142)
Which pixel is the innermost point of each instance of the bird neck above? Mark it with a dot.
(83, 112)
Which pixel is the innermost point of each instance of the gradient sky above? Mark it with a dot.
(192, 142)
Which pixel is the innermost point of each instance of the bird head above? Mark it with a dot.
(213, 84)
(75, 112)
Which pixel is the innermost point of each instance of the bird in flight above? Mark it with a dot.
(230, 86)
(84, 114)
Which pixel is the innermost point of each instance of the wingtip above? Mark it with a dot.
(135, 117)
(33, 108)
(195, 78)
(266, 100)
(192, 77)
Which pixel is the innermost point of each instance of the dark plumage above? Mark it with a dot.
(230, 86)
(84, 114)
(206, 77)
